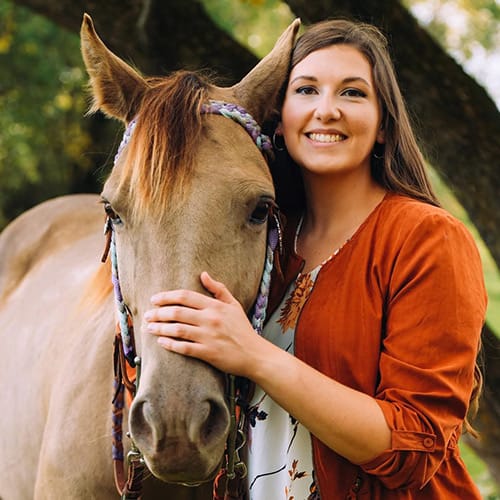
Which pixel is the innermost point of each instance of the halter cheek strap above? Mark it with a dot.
(259, 313)
(262, 141)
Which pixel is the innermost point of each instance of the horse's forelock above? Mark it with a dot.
(161, 150)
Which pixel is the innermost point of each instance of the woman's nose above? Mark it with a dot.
(327, 109)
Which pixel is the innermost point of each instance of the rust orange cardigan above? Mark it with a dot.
(397, 314)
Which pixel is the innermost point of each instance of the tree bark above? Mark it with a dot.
(157, 36)
(488, 418)
(459, 124)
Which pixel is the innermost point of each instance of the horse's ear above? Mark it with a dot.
(258, 91)
(117, 88)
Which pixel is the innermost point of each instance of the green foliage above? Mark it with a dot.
(479, 472)
(461, 24)
(256, 24)
(469, 31)
(42, 103)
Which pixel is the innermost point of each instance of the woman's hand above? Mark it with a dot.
(214, 329)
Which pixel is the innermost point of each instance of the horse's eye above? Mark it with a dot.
(112, 215)
(261, 212)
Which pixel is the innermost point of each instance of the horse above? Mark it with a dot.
(189, 192)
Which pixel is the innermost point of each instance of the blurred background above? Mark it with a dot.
(447, 55)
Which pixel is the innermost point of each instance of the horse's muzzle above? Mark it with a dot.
(182, 441)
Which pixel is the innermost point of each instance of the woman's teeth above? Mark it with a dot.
(326, 137)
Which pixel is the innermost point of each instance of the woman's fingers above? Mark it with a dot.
(180, 346)
(195, 300)
(172, 345)
(198, 325)
(186, 298)
(180, 314)
(216, 288)
(179, 331)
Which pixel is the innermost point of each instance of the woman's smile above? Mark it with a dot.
(326, 137)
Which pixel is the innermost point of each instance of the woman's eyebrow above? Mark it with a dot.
(351, 79)
(348, 79)
(304, 77)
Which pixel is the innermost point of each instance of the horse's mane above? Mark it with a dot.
(161, 150)
(98, 288)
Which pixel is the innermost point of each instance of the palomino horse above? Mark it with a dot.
(189, 192)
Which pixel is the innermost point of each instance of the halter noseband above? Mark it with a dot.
(125, 354)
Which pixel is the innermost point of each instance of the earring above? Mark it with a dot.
(379, 148)
(278, 147)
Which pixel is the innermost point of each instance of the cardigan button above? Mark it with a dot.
(357, 484)
(428, 442)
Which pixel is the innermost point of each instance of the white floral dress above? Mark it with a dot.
(280, 463)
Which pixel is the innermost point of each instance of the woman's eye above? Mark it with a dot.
(261, 212)
(305, 90)
(113, 216)
(353, 93)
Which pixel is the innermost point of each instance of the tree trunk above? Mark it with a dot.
(158, 36)
(488, 419)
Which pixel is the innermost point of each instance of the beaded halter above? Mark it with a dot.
(125, 334)
(241, 116)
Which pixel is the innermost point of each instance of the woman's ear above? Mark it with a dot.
(278, 144)
(381, 135)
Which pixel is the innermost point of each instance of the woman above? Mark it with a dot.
(365, 371)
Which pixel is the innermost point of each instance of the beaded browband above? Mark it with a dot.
(232, 111)
(241, 116)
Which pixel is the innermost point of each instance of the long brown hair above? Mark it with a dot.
(398, 165)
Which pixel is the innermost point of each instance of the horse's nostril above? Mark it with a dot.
(141, 425)
(137, 414)
(216, 422)
(210, 424)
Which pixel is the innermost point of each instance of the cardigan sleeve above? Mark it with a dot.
(435, 309)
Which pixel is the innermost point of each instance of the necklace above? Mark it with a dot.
(330, 257)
